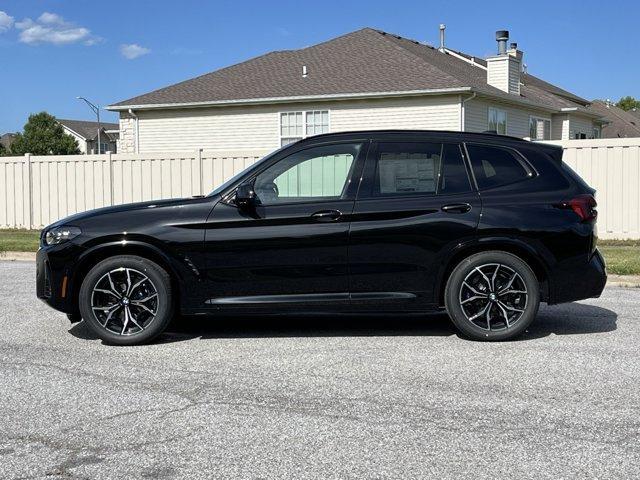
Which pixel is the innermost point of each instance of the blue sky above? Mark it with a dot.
(54, 50)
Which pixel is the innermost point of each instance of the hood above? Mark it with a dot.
(126, 207)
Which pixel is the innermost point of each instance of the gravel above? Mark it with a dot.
(334, 397)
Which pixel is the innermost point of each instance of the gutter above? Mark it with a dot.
(462, 114)
(582, 111)
(298, 98)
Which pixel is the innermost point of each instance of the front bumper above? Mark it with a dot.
(579, 281)
(54, 278)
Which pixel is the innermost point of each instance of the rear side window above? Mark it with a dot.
(407, 168)
(453, 176)
(495, 166)
(419, 168)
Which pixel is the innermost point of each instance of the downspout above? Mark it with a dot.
(137, 134)
(462, 102)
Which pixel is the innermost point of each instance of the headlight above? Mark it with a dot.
(59, 235)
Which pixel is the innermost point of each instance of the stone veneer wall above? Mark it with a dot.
(127, 141)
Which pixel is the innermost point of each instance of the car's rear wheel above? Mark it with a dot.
(126, 300)
(492, 295)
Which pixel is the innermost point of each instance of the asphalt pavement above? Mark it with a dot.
(331, 397)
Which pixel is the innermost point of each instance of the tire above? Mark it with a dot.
(120, 306)
(480, 285)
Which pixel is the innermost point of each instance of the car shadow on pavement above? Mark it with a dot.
(571, 319)
(566, 319)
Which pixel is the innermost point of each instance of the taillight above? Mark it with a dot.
(584, 206)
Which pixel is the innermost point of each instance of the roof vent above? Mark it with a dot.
(304, 71)
(502, 37)
(442, 29)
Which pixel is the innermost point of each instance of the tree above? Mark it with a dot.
(628, 103)
(43, 135)
(3, 151)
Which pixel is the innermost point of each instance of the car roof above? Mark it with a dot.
(439, 135)
(460, 136)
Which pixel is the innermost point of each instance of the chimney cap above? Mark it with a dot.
(513, 46)
(502, 35)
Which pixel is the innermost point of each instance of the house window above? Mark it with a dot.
(295, 126)
(104, 147)
(596, 132)
(497, 121)
(539, 128)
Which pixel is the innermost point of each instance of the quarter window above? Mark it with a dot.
(295, 126)
(315, 174)
(497, 121)
(494, 166)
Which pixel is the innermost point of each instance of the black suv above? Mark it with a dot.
(484, 226)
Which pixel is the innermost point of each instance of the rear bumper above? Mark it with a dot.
(577, 282)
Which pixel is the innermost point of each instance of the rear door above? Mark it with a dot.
(415, 205)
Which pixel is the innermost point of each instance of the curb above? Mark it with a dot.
(18, 256)
(627, 281)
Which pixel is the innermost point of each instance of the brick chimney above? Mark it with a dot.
(504, 69)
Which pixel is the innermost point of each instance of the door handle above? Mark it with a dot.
(456, 208)
(327, 215)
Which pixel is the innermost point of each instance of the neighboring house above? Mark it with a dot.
(6, 139)
(620, 124)
(366, 79)
(86, 134)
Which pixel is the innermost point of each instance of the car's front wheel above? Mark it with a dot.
(126, 300)
(492, 296)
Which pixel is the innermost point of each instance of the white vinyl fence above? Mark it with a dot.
(38, 190)
(612, 167)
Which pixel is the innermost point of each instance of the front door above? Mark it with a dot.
(415, 205)
(291, 246)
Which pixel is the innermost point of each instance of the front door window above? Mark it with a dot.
(312, 175)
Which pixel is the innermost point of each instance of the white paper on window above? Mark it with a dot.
(414, 172)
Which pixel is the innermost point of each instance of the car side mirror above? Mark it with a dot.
(245, 195)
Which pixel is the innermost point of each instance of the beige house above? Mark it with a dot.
(86, 134)
(367, 79)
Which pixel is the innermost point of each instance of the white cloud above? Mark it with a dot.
(133, 50)
(6, 21)
(52, 28)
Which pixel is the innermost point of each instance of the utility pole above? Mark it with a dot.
(96, 110)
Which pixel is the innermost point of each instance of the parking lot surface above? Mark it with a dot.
(321, 398)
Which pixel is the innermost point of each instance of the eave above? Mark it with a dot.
(292, 99)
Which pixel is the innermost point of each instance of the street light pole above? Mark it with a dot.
(96, 110)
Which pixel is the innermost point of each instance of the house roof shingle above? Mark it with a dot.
(621, 124)
(86, 129)
(360, 62)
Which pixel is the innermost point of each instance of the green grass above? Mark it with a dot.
(622, 256)
(19, 240)
(621, 260)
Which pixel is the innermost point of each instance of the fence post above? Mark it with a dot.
(200, 181)
(29, 218)
(110, 170)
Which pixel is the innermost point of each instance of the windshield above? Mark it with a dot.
(221, 188)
